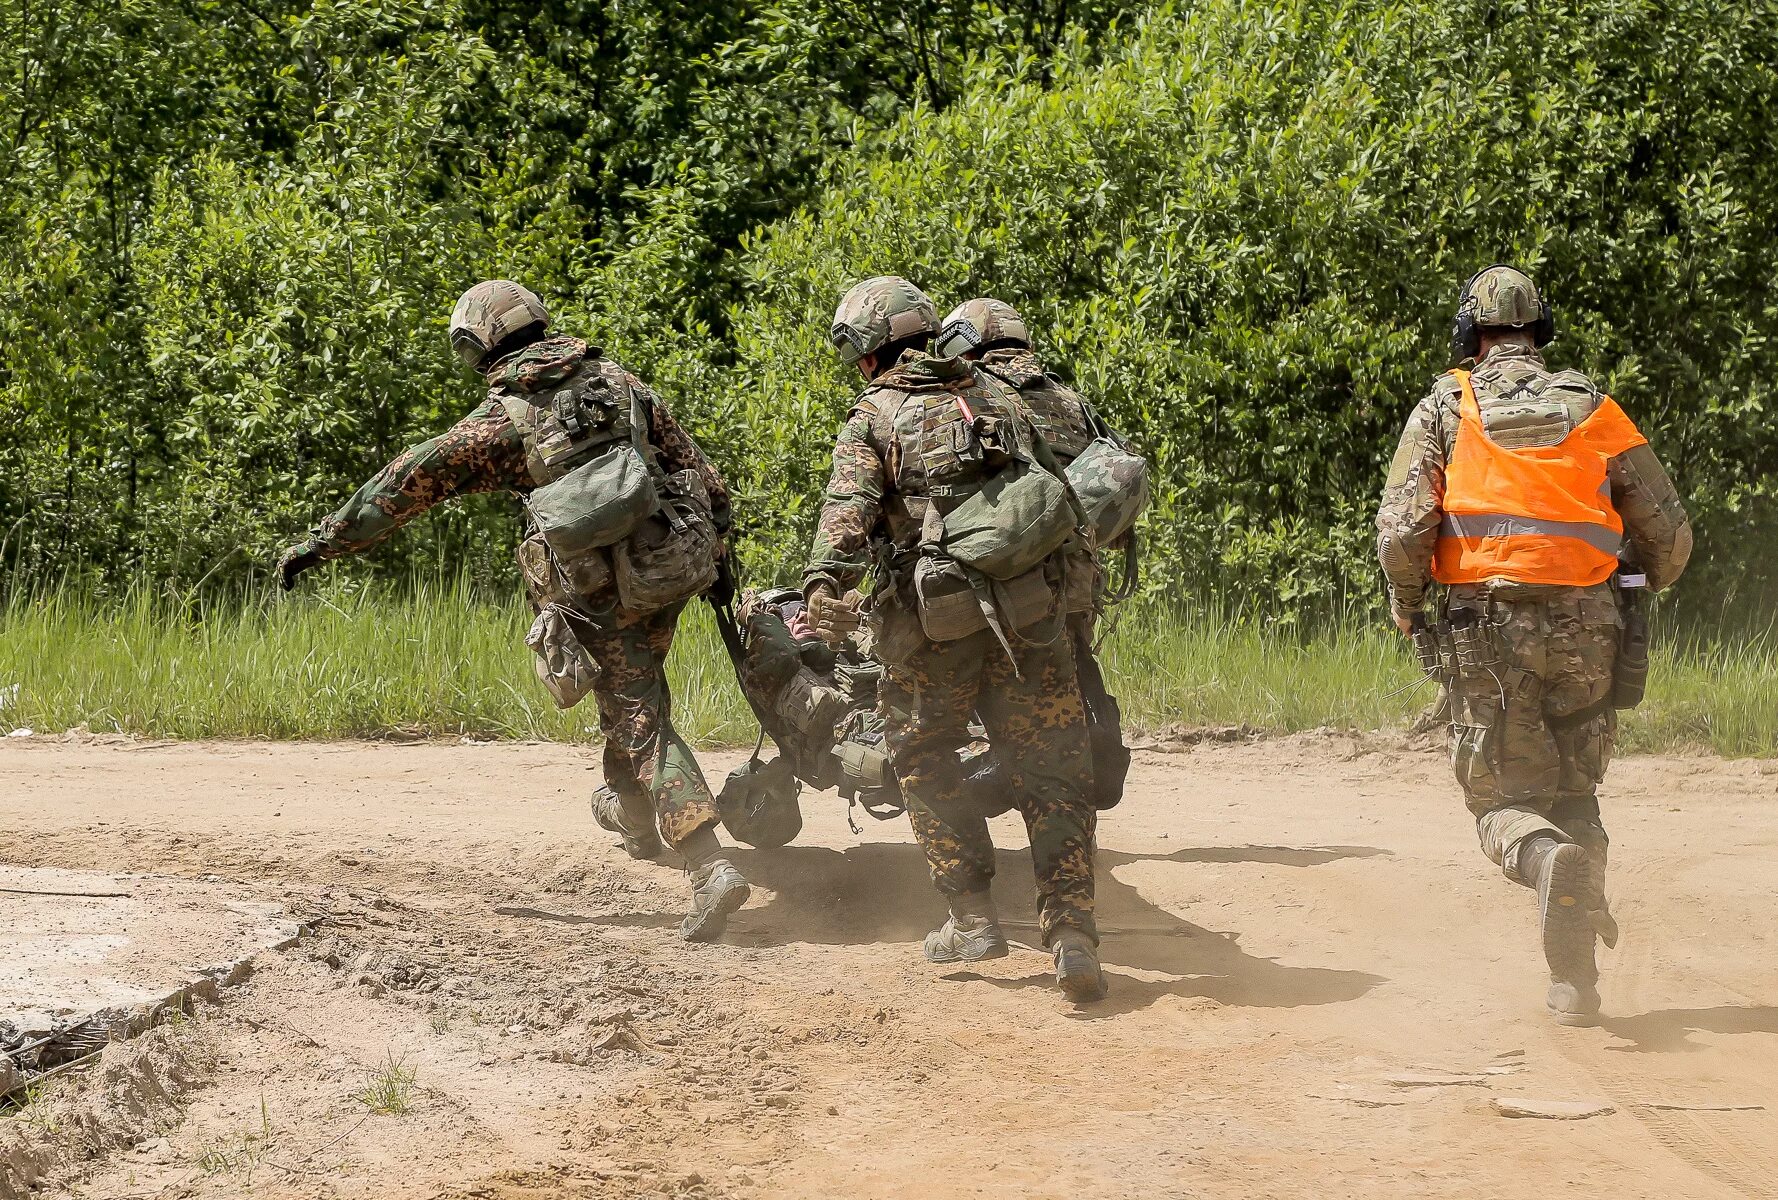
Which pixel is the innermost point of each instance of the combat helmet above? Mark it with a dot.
(980, 323)
(1499, 296)
(489, 313)
(758, 803)
(880, 310)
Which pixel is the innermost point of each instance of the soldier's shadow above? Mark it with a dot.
(879, 893)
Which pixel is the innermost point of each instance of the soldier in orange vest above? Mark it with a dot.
(1519, 489)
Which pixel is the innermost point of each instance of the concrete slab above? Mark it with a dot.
(75, 942)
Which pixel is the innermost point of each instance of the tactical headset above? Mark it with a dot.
(1466, 333)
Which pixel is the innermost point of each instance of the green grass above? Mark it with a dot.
(443, 660)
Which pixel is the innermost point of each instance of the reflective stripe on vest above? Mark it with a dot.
(1540, 514)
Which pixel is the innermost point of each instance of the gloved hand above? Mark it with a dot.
(833, 618)
(295, 561)
(722, 591)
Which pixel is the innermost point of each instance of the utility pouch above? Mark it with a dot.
(670, 558)
(1112, 486)
(1629, 673)
(1473, 642)
(859, 681)
(598, 503)
(951, 603)
(865, 764)
(562, 663)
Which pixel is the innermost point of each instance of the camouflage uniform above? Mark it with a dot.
(875, 506)
(484, 452)
(1531, 738)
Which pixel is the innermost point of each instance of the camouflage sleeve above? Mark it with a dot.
(1412, 508)
(678, 452)
(1654, 516)
(853, 507)
(480, 453)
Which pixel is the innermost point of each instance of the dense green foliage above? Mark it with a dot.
(235, 231)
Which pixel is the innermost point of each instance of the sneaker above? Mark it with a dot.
(969, 938)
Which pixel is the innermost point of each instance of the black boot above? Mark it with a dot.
(637, 829)
(1077, 966)
(1568, 895)
(970, 934)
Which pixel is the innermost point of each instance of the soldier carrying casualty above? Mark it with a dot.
(1109, 479)
(624, 524)
(1531, 496)
(943, 490)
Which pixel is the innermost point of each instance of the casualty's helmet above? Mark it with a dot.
(882, 309)
(977, 323)
(489, 313)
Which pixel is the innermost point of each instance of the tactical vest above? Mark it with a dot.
(1534, 514)
(573, 423)
(601, 503)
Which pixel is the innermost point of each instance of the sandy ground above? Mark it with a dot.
(1296, 931)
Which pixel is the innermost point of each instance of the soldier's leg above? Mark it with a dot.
(1037, 726)
(645, 757)
(1037, 723)
(926, 705)
(1583, 652)
(1502, 752)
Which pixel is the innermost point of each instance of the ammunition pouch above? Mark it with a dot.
(1473, 643)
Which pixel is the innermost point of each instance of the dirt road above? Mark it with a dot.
(1296, 932)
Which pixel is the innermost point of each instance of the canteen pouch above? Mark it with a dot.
(597, 504)
(1111, 484)
(562, 664)
(1020, 516)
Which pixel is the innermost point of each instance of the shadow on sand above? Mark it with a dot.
(1667, 1030)
(878, 893)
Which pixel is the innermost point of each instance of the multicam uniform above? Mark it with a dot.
(1029, 701)
(1531, 735)
(485, 452)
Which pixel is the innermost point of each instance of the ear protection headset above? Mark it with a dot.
(1466, 333)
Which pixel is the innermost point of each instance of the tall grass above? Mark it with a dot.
(439, 659)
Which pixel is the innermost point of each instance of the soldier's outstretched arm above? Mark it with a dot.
(1654, 516)
(481, 453)
(854, 505)
(1412, 507)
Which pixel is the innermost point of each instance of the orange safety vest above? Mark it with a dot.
(1541, 514)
